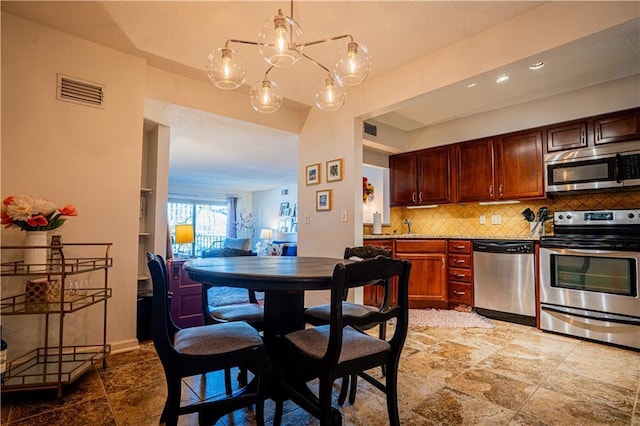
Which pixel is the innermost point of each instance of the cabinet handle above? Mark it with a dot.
(582, 138)
(458, 247)
(420, 196)
(500, 190)
(413, 196)
(442, 260)
(597, 133)
(458, 275)
(491, 190)
(458, 261)
(459, 293)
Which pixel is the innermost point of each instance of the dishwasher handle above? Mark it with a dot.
(504, 246)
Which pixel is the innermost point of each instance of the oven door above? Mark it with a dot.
(591, 294)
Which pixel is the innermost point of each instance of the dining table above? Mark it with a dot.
(284, 281)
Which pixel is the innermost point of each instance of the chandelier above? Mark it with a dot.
(281, 44)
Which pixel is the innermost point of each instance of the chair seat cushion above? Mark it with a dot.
(349, 309)
(250, 312)
(216, 338)
(314, 341)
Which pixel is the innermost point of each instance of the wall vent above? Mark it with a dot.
(80, 92)
(370, 129)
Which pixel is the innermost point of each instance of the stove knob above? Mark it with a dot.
(631, 215)
(569, 216)
(560, 217)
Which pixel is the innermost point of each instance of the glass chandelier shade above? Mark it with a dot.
(330, 95)
(280, 41)
(352, 64)
(265, 96)
(226, 68)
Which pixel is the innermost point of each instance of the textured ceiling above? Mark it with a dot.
(179, 35)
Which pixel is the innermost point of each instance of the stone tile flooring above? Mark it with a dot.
(510, 375)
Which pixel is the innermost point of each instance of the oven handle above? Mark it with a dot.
(617, 171)
(581, 313)
(581, 252)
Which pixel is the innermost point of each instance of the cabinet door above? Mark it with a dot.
(617, 128)
(402, 177)
(475, 171)
(519, 166)
(186, 299)
(433, 176)
(427, 280)
(567, 137)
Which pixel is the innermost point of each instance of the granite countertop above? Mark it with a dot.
(447, 237)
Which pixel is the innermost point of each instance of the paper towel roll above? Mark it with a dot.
(377, 223)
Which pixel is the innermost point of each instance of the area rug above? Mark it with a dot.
(446, 319)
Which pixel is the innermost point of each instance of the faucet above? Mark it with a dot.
(408, 223)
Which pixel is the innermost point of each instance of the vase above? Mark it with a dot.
(36, 257)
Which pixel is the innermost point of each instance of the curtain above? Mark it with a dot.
(232, 203)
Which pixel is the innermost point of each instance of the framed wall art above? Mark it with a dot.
(313, 174)
(323, 200)
(334, 170)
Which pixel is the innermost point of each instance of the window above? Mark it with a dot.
(209, 222)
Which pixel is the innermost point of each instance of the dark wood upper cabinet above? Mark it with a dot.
(421, 178)
(617, 127)
(475, 166)
(519, 167)
(568, 136)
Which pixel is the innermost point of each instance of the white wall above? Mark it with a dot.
(75, 154)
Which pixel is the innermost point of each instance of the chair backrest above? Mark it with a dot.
(162, 326)
(369, 252)
(237, 243)
(362, 273)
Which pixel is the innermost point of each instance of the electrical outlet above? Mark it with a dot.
(307, 218)
(483, 219)
(496, 219)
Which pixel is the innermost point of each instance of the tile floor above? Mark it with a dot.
(510, 375)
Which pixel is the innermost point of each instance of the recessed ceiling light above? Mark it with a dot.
(502, 78)
(536, 66)
(469, 86)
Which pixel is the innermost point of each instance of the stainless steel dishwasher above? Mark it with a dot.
(504, 280)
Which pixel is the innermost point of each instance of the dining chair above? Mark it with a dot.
(321, 314)
(249, 311)
(339, 349)
(200, 350)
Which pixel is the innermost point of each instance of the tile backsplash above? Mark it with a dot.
(464, 219)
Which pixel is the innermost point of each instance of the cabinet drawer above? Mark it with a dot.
(458, 274)
(385, 244)
(459, 246)
(460, 293)
(420, 246)
(460, 260)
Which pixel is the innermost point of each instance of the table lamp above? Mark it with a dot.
(184, 234)
(266, 234)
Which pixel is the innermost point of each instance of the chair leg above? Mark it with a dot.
(171, 409)
(392, 395)
(353, 388)
(324, 395)
(344, 388)
(277, 416)
(227, 381)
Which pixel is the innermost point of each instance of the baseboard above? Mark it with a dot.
(124, 346)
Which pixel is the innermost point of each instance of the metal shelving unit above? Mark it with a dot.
(54, 365)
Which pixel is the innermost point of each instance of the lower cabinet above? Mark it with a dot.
(186, 298)
(428, 278)
(460, 275)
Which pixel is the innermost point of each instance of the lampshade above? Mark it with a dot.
(265, 96)
(280, 40)
(352, 64)
(266, 234)
(184, 234)
(226, 68)
(330, 95)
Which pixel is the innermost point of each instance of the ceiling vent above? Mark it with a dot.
(80, 92)
(370, 129)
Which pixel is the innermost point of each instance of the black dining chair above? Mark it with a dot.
(200, 350)
(249, 311)
(321, 314)
(339, 349)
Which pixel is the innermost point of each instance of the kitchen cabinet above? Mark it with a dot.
(58, 360)
(617, 127)
(186, 298)
(567, 136)
(460, 274)
(422, 177)
(372, 295)
(428, 278)
(508, 167)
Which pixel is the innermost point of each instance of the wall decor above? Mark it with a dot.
(283, 209)
(323, 200)
(334, 170)
(313, 174)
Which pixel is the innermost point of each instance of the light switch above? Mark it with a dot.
(307, 217)
(483, 219)
(496, 219)
(345, 215)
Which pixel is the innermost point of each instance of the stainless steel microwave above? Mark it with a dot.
(614, 165)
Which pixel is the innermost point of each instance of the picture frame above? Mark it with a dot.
(283, 207)
(323, 200)
(312, 176)
(334, 170)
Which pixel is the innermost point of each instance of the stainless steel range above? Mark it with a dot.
(589, 273)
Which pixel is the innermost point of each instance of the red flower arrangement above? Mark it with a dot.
(367, 190)
(33, 214)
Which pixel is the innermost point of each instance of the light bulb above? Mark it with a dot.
(330, 95)
(265, 96)
(226, 69)
(280, 40)
(352, 64)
